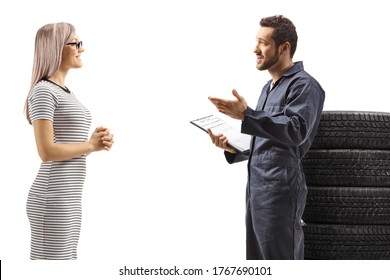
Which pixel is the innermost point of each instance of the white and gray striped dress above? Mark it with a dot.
(54, 199)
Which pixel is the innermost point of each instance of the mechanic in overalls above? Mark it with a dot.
(282, 126)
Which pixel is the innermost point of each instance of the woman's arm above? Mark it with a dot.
(50, 151)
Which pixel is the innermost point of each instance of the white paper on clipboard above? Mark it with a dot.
(236, 139)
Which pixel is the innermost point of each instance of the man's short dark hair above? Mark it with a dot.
(284, 31)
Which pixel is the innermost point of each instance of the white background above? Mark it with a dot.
(164, 195)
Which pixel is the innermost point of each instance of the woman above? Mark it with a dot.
(61, 124)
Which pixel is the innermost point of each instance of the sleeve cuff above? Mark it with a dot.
(230, 157)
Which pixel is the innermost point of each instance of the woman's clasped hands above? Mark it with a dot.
(101, 139)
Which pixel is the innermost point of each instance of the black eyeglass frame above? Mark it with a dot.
(78, 44)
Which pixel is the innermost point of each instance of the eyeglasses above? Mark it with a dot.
(78, 44)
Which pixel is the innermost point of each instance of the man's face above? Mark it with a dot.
(266, 52)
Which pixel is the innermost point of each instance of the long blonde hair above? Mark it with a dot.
(49, 44)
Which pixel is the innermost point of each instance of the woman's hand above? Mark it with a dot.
(107, 140)
(101, 139)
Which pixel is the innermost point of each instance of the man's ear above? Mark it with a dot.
(285, 48)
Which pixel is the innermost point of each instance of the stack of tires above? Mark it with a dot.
(347, 169)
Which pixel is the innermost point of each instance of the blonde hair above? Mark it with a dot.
(49, 44)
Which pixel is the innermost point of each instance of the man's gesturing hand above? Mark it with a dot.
(233, 108)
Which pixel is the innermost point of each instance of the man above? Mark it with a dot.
(282, 126)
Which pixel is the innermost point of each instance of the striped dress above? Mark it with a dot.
(54, 199)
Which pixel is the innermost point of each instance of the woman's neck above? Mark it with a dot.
(58, 78)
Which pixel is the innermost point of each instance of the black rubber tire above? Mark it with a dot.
(353, 130)
(350, 168)
(348, 205)
(347, 242)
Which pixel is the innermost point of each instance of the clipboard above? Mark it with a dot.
(236, 139)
